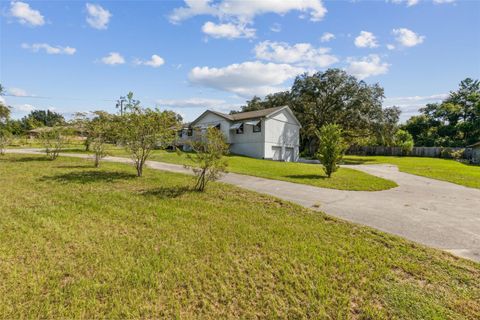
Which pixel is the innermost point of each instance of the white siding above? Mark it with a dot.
(248, 143)
(281, 130)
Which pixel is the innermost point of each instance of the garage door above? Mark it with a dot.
(288, 154)
(277, 153)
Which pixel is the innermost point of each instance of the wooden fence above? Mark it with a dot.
(432, 152)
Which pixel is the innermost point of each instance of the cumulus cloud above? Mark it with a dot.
(390, 46)
(411, 104)
(327, 36)
(443, 1)
(24, 108)
(36, 47)
(409, 3)
(25, 14)
(227, 30)
(17, 92)
(366, 40)
(245, 79)
(97, 16)
(300, 54)
(191, 103)
(113, 58)
(276, 27)
(368, 66)
(155, 61)
(245, 11)
(407, 38)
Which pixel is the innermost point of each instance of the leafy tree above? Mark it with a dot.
(46, 118)
(54, 140)
(4, 110)
(404, 140)
(5, 140)
(331, 147)
(142, 130)
(453, 122)
(99, 130)
(210, 149)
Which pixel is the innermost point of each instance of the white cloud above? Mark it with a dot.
(366, 40)
(113, 58)
(2, 100)
(17, 92)
(300, 54)
(25, 14)
(155, 61)
(245, 11)
(407, 38)
(227, 30)
(245, 79)
(368, 66)
(276, 27)
(443, 1)
(411, 104)
(191, 103)
(23, 108)
(409, 3)
(390, 46)
(97, 16)
(36, 47)
(327, 36)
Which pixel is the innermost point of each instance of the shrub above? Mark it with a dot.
(404, 140)
(331, 147)
(53, 140)
(210, 149)
(5, 140)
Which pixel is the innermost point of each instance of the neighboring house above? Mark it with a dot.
(266, 134)
(475, 154)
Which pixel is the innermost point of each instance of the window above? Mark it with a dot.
(190, 132)
(218, 126)
(257, 127)
(240, 129)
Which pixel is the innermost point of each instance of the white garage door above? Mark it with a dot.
(288, 154)
(277, 153)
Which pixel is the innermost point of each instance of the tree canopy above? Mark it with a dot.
(453, 122)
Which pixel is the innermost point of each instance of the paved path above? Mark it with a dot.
(439, 214)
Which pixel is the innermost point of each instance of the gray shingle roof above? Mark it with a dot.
(248, 115)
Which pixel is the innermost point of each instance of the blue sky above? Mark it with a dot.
(189, 56)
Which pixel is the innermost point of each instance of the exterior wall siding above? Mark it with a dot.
(282, 131)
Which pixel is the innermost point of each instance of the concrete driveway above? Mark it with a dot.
(438, 214)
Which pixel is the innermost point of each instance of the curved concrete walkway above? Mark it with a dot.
(439, 214)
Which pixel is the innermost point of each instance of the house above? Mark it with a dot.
(265, 134)
(475, 153)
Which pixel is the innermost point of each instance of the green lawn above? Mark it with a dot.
(441, 169)
(99, 243)
(311, 174)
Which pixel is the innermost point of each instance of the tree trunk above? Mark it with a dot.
(97, 161)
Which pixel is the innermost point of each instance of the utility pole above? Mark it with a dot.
(120, 104)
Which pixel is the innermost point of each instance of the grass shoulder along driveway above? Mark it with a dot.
(435, 168)
(76, 241)
(302, 173)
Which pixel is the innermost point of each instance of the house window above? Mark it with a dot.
(190, 132)
(218, 126)
(240, 129)
(257, 127)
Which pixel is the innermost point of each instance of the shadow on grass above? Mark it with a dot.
(306, 176)
(79, 166)
(30, 159)
(358, 161)
(89, 176)
(167, 192)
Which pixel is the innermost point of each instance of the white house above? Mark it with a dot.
(266, 134)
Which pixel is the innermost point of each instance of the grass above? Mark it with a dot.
(79, 242)
(310, 174)
(435, 168)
